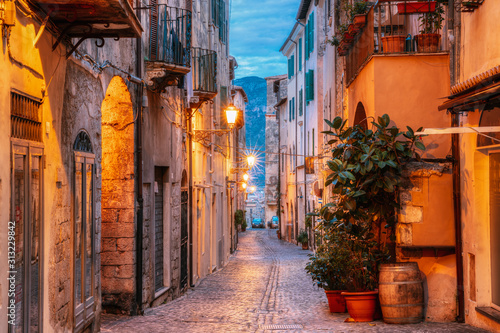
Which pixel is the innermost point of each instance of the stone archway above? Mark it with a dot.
(118, 199)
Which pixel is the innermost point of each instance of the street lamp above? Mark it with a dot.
(231, 115)
(244, 185)
(250, 160)
(246, 176)
(252, 189)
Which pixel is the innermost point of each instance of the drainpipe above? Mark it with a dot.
(140, 199)
(455, 142)
(296, 208)
(191, 195)
(277, 112)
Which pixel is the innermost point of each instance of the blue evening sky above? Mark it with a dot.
(258, 29)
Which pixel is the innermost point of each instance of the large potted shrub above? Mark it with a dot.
(430, 26)
(329, 264)
(239, 219)
(303, 238)
(366, 168)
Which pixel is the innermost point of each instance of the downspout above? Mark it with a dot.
(455, 142)
(140, 199)
(296, 148)
(304, 126)
(191, 194)
(279, 165)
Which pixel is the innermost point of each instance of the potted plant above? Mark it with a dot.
(430, 26)
(244, 226)
(239, 219)
(303, 238)
(366, 168)
(329, 264)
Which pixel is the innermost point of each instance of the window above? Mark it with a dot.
(301, 101)
(84, 231)
(290, 110)
(310, 35)
(300, 54)
(219, 18)
(309, 86)
(293, 107)
(291, 66)
(313, 142)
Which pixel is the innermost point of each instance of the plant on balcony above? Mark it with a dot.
(430, 26)
(366, 168)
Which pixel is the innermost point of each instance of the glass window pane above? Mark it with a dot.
(34, 317)
(89, 232)
(78, 232)
(18, 217)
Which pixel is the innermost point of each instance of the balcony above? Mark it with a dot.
(90, 19)
(405, 80)
(204, 73)
(170, 46)
(394, 28)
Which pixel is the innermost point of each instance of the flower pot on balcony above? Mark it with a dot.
(353, 29)
(428, 42)
(392, 44)
(361, 305)
(336, 301)
(416, 7)
(359, 20)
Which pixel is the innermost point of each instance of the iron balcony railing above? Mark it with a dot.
(204, 70)
(395, 27)
(170, 35)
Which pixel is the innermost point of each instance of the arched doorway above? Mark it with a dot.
(360, 116)
(118, 199)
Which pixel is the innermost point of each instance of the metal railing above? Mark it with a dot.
(170, 35)
(204, 70)
(393, 27)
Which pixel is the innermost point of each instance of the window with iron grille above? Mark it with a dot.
(25, 117)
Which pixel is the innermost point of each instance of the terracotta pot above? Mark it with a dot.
(428, 42)
(359, 20)
(391, 44)
(361, 305)
(304, 246)
(336, 301)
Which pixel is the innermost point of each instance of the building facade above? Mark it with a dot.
(117, 157)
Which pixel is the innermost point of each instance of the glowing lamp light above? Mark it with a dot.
(252, 189)
(250, 160)
(231, 114)
(244, 185)
(246, 176)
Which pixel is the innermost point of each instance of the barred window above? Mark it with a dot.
(26, 118)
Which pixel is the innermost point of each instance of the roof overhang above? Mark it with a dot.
(290, 40)
(303, 9)
(88, 18)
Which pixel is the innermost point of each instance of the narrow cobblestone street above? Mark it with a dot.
(264, 286)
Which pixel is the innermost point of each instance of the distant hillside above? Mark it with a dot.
(255, 118)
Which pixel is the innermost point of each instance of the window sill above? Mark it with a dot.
(489, 312)
(161, 292)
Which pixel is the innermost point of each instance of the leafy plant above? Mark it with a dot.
(366, 170)
(328, 266)
(358, 7)
(335, 41)
(302, 237)
(239, 217)
(308, 221)
(432, 22)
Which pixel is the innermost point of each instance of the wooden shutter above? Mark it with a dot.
(312, 32)
(153, 29)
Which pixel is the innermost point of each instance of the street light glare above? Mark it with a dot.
(246, 176)
(231, 114)
(244, 185)
(252, 189)
(250, 160)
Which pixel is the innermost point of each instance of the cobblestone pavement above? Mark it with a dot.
(263, 284)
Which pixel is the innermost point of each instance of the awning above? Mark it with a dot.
(473, 99)
(86, 18)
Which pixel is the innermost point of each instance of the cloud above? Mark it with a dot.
(257, 32)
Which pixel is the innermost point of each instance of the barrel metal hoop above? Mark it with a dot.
(402, 305)
(402, 282)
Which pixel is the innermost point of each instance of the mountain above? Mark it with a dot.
(255, 121)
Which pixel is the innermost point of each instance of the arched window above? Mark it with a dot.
(84, 230)
(360, 116)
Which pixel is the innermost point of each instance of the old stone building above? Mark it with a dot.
(116, 157)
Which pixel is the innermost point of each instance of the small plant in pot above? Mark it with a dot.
(239, 219)
(366, 167)
(430, 26)
(303, 238)
(329, 264)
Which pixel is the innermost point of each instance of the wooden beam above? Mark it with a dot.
(459, 130)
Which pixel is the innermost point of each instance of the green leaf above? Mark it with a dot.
(329, 123)
(328, 132)
(337, 122)
(350, 176)
(420, 145)
(399, 146)
(391, 163)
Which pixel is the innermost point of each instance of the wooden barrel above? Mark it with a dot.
(401, 293)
